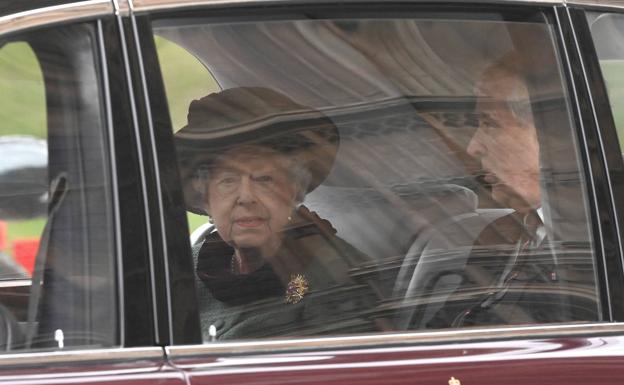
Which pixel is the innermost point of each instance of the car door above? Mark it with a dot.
(471, 197)
(76, 288)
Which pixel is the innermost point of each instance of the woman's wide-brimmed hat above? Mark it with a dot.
(244, 116)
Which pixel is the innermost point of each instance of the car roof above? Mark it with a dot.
(19, 15)
(146, 5)
(8, 7)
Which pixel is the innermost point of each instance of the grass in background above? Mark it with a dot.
(186, 79)
(195, 221)
(613, 73)
(22, 93)
(22, 112)
(31, 228)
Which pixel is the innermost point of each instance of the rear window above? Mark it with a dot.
(372, 174)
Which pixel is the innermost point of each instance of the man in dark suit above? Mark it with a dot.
(511, 276)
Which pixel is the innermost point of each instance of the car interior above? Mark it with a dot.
(403, 188)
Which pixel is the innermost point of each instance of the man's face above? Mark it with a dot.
(506, 142)
(250, 197)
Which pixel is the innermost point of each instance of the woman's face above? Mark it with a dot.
(250, 197)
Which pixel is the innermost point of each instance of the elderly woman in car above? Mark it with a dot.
(248, 158)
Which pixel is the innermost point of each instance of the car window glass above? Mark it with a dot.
(185, 79)
(57, 285)
(608, 35)
(382, 174)
(23, 135)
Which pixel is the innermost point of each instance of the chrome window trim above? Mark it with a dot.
(613, 4)
(150, 5)
(54, 14)
(395, 339)
(123, 7)
(83, 356)
(157, 173)
(154, 5)
(140, 157)
(584, 146)
(15, 283)
(157, 5)
(110, 132)
(599, 135)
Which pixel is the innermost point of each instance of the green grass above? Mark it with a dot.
(186, 79)
(25, 229)
(22, 95)
(22, 112)
(195, 221)
(613, 73)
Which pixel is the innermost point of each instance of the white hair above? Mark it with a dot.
(296, 169)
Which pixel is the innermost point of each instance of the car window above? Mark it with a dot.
(370, 174)
(185, 79)
(24, 136)
(607, 31)
(57, 285)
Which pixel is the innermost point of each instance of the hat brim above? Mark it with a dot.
(308, 135)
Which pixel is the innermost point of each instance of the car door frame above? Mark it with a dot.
(602, 142)
(175, 310)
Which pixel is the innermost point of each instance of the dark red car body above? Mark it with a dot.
(154, 345)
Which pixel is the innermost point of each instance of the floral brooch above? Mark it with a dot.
(297, 288)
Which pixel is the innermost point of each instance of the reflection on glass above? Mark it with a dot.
(451, 193)
(57, 260)
(23, 174)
